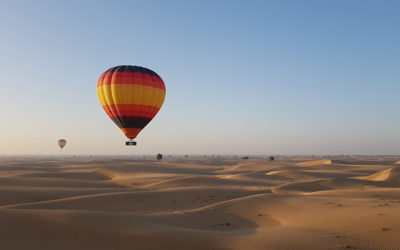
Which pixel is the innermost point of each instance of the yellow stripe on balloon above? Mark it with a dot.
(130, 94)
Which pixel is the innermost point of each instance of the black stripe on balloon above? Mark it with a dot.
(117, 122)
(131, 121)
(129, 68)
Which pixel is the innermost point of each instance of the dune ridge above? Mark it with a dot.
(314, 163)
(390, 175)
(221, 203)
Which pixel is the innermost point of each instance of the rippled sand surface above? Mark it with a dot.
(199, 203)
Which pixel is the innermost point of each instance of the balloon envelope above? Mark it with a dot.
(131, 96)
(61, 143)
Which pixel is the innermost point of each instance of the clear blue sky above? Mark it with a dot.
(242, 77)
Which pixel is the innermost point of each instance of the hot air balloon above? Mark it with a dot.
(61, 143)
(159, 156)
(131, 96)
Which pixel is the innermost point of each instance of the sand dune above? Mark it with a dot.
(380, 176)
(70, 175)
(131, 203)
(389, 177)
(314, 163)
(305, 187)
(307, 174)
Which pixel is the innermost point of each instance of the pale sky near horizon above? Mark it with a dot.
(242, 77)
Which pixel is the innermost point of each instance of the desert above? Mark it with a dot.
(199, 202)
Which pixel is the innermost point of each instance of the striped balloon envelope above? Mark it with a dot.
(131, 96)
(61, 143)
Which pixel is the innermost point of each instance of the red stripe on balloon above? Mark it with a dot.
(138, 78)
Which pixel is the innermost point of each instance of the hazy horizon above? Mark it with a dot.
(258, 78)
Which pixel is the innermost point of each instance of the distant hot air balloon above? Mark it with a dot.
(131, 96)
(159, 156)
(61, 143)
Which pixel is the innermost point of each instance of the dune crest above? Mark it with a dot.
(388, 175)
(314, 163)
(126, 202)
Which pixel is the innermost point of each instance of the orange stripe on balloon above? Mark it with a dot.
(131, 110)
(131, 133)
